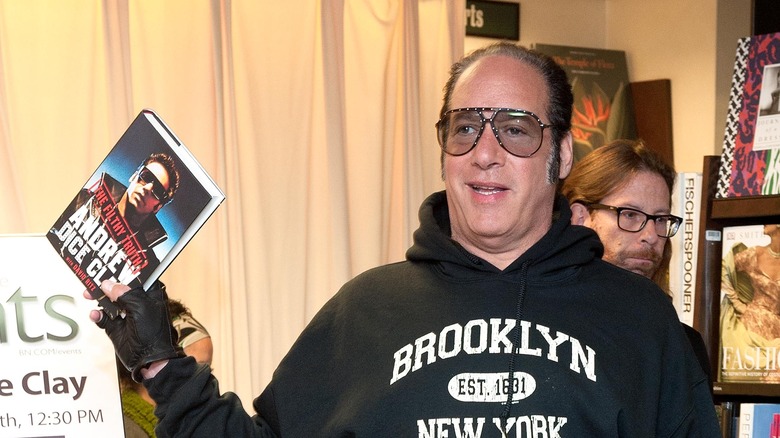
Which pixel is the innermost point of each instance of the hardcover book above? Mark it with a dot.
(750, 298)
(750, 161)
(686, 203)
(759, 420)
(137, 211)
(603, 110)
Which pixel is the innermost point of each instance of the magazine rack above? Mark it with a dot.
(715, 214)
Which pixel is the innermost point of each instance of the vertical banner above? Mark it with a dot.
(58, 376)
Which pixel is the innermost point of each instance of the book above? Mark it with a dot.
(603, 110)
(726, 412)
(136, 212)
(749, 338)
(750, 161)
(759, 420)
(686, 203)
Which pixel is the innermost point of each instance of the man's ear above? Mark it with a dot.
(567, 155)
(579, 214)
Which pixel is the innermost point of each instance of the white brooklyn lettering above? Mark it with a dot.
(479, 337)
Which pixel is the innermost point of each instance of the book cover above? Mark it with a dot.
(750, 161)
(603, 110)
(137, 211)
(750, 305)
(686, 203)
(759, 420)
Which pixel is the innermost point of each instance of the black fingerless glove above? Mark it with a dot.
(144, 333)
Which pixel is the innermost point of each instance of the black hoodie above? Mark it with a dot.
(423, 348)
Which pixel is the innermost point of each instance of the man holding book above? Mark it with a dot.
(503, 321)
(623, 191)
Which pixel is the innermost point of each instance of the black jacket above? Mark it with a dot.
(424, 347)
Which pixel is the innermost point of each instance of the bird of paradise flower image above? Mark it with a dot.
(597, 119)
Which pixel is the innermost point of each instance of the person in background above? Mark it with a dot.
(622, 190)
(137, 404)
(502, 321)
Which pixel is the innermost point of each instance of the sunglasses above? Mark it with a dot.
(146, 176)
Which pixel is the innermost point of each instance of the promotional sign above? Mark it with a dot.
(58, 377)
(491, 19)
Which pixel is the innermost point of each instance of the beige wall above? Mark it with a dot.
(690, 42)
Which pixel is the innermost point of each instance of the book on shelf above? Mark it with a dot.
(603, 110)
(759, 420)
(686, 203)
(727, 418)
(750, 161)
(136, 212)
(749, 338)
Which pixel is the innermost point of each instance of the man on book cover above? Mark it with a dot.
(109, 230)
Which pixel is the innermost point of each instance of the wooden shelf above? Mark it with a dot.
(717, 213)
(757, 208)
(757, 389)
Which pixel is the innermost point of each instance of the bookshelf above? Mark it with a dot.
(715, 214)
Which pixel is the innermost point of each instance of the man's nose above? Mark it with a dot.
(488, 150)
(648, 233)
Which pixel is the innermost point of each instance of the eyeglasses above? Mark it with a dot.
(146, 176)
(518, 131)
(633, 221)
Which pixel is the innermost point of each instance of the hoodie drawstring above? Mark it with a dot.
(515, 344)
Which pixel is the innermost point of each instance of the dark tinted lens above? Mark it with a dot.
(147, 176)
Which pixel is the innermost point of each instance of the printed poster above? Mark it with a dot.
(58, 377)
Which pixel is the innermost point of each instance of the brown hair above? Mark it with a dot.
(607, 169)
(559, 94)
(169, 165)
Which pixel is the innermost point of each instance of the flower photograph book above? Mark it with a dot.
(603, 110)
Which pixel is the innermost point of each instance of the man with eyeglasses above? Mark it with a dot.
(622, 190)
(502, 321)
(133, 208)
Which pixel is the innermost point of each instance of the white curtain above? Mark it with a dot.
(315, 117)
